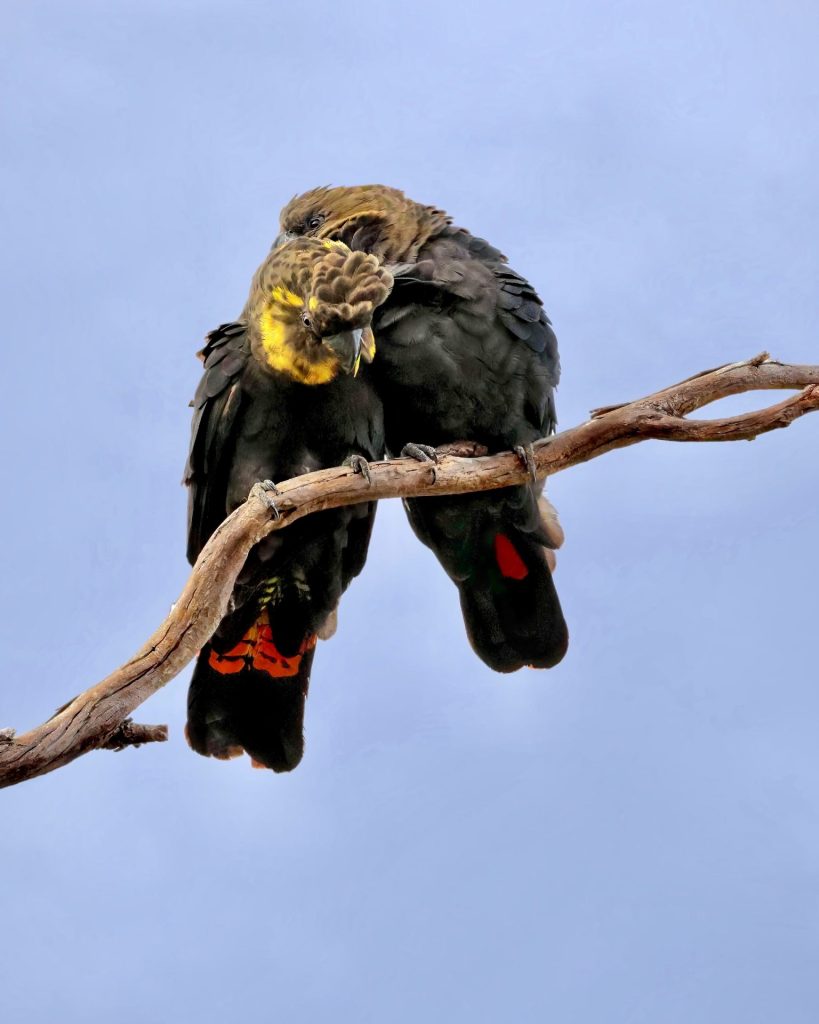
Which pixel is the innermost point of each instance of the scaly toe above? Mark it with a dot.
(526, 454)
(265, 491)
(358, 464)
(422, 453)
(419, 452)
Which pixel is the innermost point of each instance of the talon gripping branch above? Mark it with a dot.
(281, 396)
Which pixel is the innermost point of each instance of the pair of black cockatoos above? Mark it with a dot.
(455, 347)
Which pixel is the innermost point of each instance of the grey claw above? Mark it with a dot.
(419, 452)
(358, 464)
(265, 490)
(422, 453)
(526, 454)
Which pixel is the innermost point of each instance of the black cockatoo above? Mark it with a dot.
(466, 352)
(280, 396)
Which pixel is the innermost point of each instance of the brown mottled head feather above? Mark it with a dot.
(335, 285)
(374, 218)
(347, 287)
(308, 290)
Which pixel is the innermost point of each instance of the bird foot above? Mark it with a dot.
(422, 453)
(526, 454)
(265, 491)
(358, 464)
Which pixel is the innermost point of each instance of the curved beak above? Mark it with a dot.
(280, 239)
(347, 346)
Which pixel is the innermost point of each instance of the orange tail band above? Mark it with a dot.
(257, 650)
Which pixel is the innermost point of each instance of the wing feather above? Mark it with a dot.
(217, 406)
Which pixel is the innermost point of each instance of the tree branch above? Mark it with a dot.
(98, 718)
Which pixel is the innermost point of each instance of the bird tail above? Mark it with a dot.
(494, 548)
(248, 691)
(510, 606)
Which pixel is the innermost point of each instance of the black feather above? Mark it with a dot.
(466, 352)
(250, 425)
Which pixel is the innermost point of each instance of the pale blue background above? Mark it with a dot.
(633, 837)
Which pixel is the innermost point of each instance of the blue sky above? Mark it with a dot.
(632, 837)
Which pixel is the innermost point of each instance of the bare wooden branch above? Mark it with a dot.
(98, 718)
(132, 734)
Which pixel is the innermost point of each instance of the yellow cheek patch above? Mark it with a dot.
(286, 298)
(281, 356)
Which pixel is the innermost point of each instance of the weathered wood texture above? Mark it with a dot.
(99, 717)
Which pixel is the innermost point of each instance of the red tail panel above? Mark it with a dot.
(509, 561)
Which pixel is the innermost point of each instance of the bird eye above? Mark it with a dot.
(315, 221)
(305, 319)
